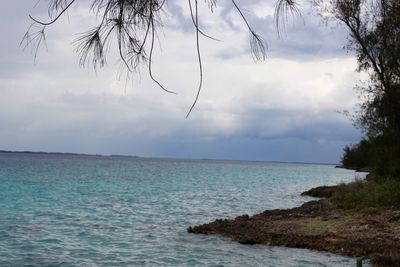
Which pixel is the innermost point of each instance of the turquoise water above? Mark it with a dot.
(115, 211)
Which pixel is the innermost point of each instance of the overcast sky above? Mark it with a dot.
(283, 109)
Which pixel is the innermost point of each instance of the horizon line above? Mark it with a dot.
(156, 157)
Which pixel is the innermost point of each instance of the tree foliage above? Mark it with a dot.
(375, 37)
(356, 156)
(133, 26)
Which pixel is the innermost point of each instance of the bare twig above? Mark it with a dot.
(55, 19)
(256, 42)
(150, 61)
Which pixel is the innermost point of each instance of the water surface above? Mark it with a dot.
(59, 210)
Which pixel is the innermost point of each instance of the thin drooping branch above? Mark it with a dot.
(256, 42)
(195, 24)
(56, 18)
(34, 39)
(150, 61)
(131, 25)
(284, 9)
(198, 57)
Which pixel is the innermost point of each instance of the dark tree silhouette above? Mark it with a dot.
(374, 28)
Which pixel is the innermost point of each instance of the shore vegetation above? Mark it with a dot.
(362, 195)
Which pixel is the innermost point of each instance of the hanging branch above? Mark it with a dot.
(256, 42)
(198, 57)
(34, 40)
(56, 18)
(150, 60)
(196, 26)
(284, 8)
(132, 23)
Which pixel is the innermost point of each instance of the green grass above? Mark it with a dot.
(361, 194)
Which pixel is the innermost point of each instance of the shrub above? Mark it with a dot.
(360, 194)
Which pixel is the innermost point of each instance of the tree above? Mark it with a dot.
(375, 36)
(356, 156)
(374, 28)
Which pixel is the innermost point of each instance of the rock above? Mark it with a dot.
(320, 226)
(244, 217)
(321, 191)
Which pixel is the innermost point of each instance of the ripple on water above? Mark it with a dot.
(105, 211)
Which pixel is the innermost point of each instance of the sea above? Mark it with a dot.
(77, 210)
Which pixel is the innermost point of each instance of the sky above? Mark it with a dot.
(286, 108)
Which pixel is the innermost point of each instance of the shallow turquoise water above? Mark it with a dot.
(115, 211)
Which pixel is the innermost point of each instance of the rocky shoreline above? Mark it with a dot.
(318, 225)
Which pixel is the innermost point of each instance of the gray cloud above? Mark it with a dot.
(283, 109)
